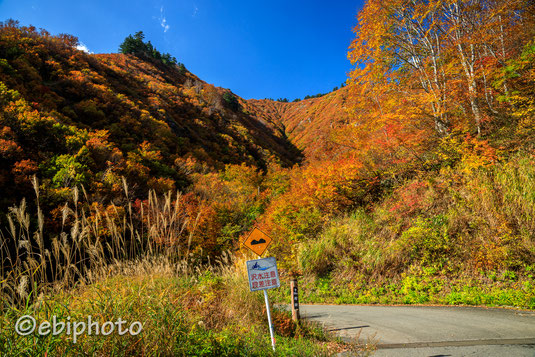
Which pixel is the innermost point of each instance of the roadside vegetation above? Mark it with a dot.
(137, 268)
(461, 236)
(208, 313)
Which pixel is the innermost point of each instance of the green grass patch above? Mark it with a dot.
(421, 286)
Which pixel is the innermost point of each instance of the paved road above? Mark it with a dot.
(431, 331)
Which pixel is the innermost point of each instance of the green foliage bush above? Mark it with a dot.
(426, 241)
(231, 101)
(344, 243)
(136, 46)
(67, 171)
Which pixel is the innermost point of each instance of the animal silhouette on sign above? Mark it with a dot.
(257, 266)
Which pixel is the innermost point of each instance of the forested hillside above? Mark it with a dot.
(73, 119)
(77, 118)
(430, 196)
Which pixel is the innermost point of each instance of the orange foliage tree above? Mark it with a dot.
(438, 56)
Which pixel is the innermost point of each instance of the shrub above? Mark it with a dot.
(231, 101)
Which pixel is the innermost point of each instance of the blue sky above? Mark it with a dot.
(258, 49)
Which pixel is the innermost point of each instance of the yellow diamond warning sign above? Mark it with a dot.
(257, 241)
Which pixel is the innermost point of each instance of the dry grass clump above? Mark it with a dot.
(92, 243)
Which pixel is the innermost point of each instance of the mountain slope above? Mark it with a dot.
(309, 123)
(77, 118)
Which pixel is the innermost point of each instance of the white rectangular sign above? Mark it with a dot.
(263, 274)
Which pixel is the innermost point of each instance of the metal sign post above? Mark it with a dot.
(271, 332)
(263, 275)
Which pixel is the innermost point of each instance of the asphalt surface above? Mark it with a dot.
(430, 331)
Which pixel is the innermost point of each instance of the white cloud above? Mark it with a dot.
(163, 21)
(83, 47)
(195, 11)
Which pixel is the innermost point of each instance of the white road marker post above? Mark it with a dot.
(263, 275)
(271, 332)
